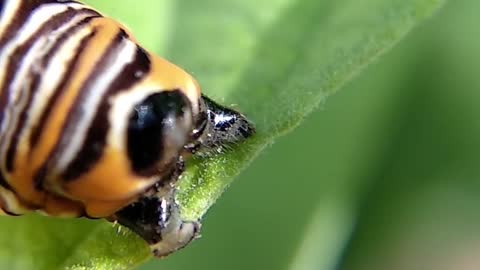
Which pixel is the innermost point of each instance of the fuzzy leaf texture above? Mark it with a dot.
(274, 60)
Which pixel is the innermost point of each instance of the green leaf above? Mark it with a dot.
(151, 27)
(294, 61)
(36, 242)
(274, 60)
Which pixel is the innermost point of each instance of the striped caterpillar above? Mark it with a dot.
(93, 125)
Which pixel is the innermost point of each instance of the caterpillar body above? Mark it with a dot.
(93, 125)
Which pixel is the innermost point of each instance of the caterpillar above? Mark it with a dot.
(93, 125)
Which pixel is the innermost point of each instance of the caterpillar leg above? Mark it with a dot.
(157, 220)
(156, 217)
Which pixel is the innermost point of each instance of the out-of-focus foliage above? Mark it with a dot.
(384, 176)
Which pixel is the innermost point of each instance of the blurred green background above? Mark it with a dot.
(384, 175)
